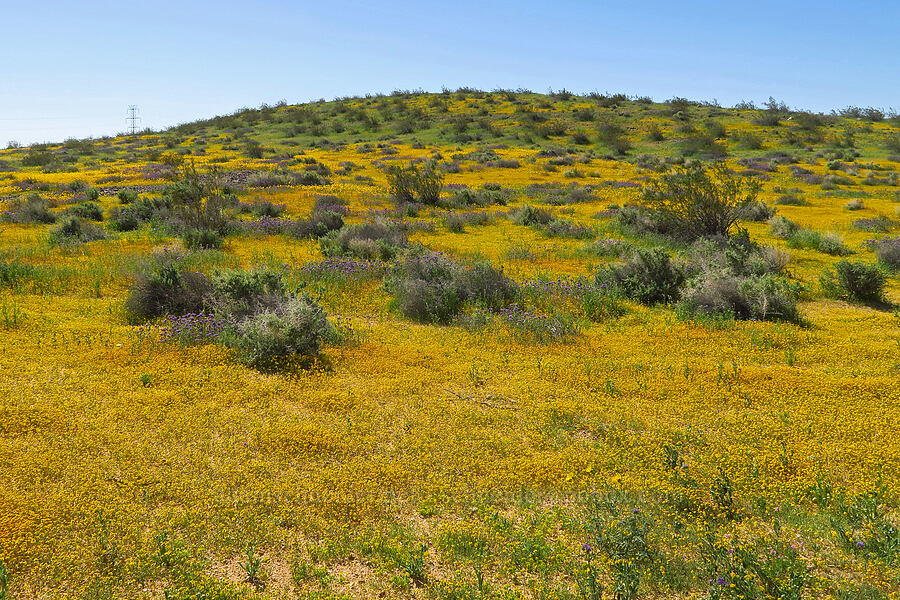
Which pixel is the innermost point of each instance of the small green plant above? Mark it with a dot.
(252, 567)
(296, 327)
(11, 313)
(587, 578)
(411, 560)
(723, 494)
(4, 581)
(854, 281)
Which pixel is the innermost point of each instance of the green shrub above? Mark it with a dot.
(163, 287)
(238, 294)
(202, 239)
(32, 209)
(854, 281)
(757, 211)
(369, 241)
(826, 243)
(87, 210)
(127, 196)
(296, 327)
(427, 287)
(762, 298)
(141, 210)
(695, 202)
(528, 215)
(75, 230)
(790, 200)
(414, 182)
(648, 276)
(488, 286)
(199, 200)
(887, 250)
(782, 227)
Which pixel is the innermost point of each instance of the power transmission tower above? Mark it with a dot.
(132, 119)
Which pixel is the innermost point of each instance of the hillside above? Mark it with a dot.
(454, 345)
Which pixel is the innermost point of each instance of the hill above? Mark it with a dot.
(456, 345)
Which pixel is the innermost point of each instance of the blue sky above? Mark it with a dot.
(72, 68)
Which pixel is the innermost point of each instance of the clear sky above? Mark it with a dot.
(71, 68)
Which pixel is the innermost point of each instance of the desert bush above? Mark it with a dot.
(480, 197)
(694, 201)
(855, 281)
(427, 287)
(757, 210)
(370, 241)
(32, 209)
(887, 251)
(37, 158)
(199, 200)
(748, 140)
(655, 133)
(127, 196)
(163, 287)
(648, 276)
(431, 288)
(86, 210)
(782, 227)
(238, 294)
(528, 215)
(854, 204)
(142, 210)
(264, 208)
(613, 137)
(790, 200)
(737, 255)
(298, 326)
(414, 182)
(319, 224)
(73, 230)
(702, 144)
(879, 224)
(763, 298)
(488, 286)
(200, 239)
(564, 228)
(826, 243)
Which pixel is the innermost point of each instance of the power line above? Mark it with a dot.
(132, 119)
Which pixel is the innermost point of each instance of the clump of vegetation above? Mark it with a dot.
(89, 211)
(415, 183)
(377, 240)
(75, 230)
(855, 281)
(696, 201)
(295, 326)
(647, 276)
(139, 211)
(797, 237)
(430, 288)
(485, 196)
(163, 287)
(31, 209)
(887, 250)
